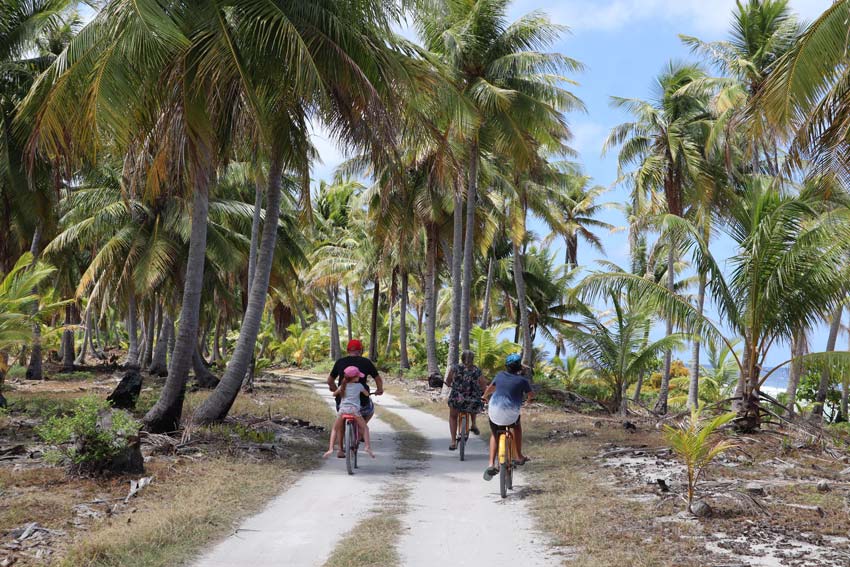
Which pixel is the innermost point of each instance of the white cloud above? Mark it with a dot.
(705, 16)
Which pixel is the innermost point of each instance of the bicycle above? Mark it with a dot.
(351, 441)
(464, 419)
(507, 456)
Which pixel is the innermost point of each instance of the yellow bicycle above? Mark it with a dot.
(507, 456)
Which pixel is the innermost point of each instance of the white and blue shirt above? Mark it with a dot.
(506, 401)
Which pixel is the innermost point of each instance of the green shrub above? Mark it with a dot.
(86, 437)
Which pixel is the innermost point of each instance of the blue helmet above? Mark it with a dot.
(513, 359)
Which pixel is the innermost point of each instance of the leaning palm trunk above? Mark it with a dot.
(34, 369)
(216, 353)
(468, 249)
(165, 415)
(252, 268)
(522, 307)
(693, 382)
(217, 406)
(158, 365)
(664, 389)
(404, 361)
(431, 300)
(68, 341)
(825, 375)
(132, 332)
(457, 284)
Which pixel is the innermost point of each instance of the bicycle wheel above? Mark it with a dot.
(462, 434)
(356, 444)
(504, 465)
(349, 436)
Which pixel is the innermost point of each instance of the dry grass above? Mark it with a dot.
(193, 500)
(372, 541)
(411, 444)
(175, 519)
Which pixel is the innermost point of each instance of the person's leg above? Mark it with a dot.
(361, 423)
(474, 426)
(339, 430)
(453, 427)
(494, 447)
(333, 438)
(518, 440)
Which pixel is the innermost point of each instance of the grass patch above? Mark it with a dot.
(175, 519)
(412, 445)
(565, 479)
(368, 544)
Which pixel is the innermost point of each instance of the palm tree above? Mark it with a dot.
(789, 270)
(19, 307)
(666, 143)
(616, 346)
(502, 70)
(577, 202)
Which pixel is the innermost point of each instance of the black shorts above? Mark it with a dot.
(496, 430)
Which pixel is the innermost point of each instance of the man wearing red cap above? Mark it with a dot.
(367, 368)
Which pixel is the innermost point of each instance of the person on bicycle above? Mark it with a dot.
(367, 368)
(348, 395)
(505, 394)
(467, 386)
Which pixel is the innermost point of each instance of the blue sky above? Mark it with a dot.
(624, 44)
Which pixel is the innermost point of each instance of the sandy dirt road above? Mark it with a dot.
(453, 517)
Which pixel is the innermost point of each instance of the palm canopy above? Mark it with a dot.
(806, 96)
(789, 271)
(665, 141)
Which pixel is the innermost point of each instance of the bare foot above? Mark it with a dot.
(340, 455)
(327, 454)
(369, 451)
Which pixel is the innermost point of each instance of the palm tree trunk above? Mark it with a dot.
(81, 357)
(150, 333)
(488, 290)
(825, 375)
(68, 341)
(35, 370)
(522, 306)
(798, 348)
(638, 386)
(571, 242)
(132, 333)
(431, 299)
(165, 415)
(373, 326)
(159, 363)
(404, 361)
(457, 282)
(252, 268)
(469, 249)
(216, 351)
(664, 389)
(219, 403)
(693, 382)
(348, 313)
(203, 377)
(332, 297)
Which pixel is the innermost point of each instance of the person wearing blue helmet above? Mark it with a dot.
(505, 394)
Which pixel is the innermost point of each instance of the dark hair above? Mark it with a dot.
(515, 368)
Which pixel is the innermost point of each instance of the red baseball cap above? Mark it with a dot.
(354, 344)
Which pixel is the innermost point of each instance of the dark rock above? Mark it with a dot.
(701, 509)
(578, 433)
(823, 486)
(629, 426)
(755, 489)
(662, 484)
(129, 461)
(597, 424)
(2, 401)
(127, 392)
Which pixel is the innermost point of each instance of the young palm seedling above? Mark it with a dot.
(690, 441)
